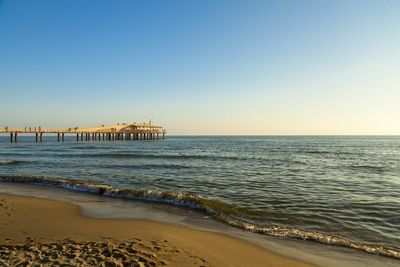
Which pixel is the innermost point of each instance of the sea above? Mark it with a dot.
(334, 190)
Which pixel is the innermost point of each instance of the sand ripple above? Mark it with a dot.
(87, 253)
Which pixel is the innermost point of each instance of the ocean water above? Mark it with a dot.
(336, 190)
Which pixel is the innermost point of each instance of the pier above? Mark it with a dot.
(119, 132)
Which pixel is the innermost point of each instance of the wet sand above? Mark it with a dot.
(39, 231)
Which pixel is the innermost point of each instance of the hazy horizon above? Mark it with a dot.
(203, 68)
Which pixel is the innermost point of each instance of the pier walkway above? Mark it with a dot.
(124, 131)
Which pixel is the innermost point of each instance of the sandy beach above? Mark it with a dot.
(37, 231)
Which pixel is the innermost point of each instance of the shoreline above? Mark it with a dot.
(213, 208)
(103, 207)
(43, 223)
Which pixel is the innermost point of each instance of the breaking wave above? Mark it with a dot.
(9, 162)
(224, 212)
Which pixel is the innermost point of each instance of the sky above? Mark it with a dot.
(203, 67)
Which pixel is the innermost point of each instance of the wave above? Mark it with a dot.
(146, 155)
(156, 156)
(369, 168)
(224, 212)
(10, 162)
(316, 152)
(90, 147)
(324, 152)
(287, 232)
(153, 166)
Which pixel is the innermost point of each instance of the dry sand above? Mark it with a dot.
(39, 232)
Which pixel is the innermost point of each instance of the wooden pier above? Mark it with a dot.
(123, 131)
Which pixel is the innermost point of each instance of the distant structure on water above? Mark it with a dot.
(121, 131)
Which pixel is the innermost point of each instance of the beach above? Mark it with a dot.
(241, 201)
(41, 231)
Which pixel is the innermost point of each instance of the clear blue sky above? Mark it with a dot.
(203, 67)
